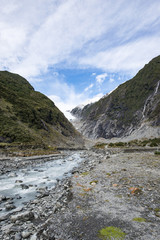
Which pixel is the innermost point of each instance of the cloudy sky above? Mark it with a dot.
(75, 51)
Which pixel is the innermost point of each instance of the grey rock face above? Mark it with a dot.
(126, 109)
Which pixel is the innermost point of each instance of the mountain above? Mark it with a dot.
(133, 107)
(29, 117)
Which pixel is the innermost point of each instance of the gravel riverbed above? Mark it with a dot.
(108, 189)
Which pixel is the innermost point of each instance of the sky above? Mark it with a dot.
(76, 51)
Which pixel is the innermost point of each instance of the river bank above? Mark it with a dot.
(119, 190)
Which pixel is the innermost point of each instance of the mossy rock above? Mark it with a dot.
(108, 174)
(111, 233)
(139, 219)
(157, 212)
(84, 173)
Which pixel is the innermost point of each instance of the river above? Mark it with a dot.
(24, 185)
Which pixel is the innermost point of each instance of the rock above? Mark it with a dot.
(26, 234)
(12, 175)
(18, 209)
(18, 236)
(18, 181)
(33, 237)
(3, 217)
(36, 216)
(24, 216)
(6, 227)
(17, 196)
(9, 207)
(24, 186)
(42, 195)
(4, 198)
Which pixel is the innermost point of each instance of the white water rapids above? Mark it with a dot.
(40, 176)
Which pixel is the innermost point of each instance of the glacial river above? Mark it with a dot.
(24, 184)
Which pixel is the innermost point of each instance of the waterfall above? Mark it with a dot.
(156, 90)
(145, 105)
(150, 99)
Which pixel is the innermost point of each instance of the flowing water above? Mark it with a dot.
(150, 99)
(23, 185)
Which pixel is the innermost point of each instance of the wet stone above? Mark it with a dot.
(24, 186)
(18, 181)
(17, 196)
(9, 207)
(12, 175)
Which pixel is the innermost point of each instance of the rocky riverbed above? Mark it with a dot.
(109, 196)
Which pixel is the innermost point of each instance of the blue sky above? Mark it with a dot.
(75, 51)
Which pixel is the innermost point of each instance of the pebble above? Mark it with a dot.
(33, 237)
(17, 236)
(25, 234)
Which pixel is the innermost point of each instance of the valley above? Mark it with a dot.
(96, 177)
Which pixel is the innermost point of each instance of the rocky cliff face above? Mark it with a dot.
(27, 116)
(132, 105)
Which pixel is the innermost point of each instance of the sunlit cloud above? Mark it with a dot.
(128, 58)
(69, 99)
(100, 78)
(89, 87)
(115, 36)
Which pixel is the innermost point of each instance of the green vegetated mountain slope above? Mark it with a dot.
(134, 102)
(27, 116)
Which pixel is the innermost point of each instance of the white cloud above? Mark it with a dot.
(53, 38)
(36, 34)
(93, 99)
(89, 87)
(63, 106)
(129, 57)
(111, 80)
(101, 77)
(69, 99)
(66, 97)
